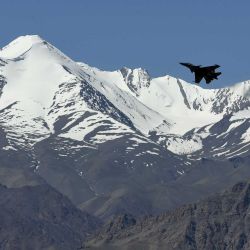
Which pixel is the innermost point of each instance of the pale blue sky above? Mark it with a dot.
(153, 34)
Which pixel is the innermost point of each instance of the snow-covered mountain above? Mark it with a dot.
(77, 126)
(39, 84)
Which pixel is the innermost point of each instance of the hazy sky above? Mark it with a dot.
(152, 34)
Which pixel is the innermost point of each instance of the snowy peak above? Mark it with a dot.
(19, 46)
(34, 71)
(242, 89)
(136, 79)
(33, 76)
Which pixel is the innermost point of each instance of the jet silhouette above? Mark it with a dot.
(208, 72)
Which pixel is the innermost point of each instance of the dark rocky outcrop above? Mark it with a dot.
(38, 217)
(218, 222)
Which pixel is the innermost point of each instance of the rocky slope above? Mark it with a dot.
(219, 222)
(38, 217)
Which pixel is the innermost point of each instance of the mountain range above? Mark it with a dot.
(116, 142)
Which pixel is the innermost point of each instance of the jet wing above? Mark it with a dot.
(188, 65)
(198, 77)
(208, 79)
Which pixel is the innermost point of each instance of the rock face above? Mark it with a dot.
(218, 222)
(136, 79)
(38, 217)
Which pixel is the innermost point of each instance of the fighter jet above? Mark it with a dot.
(207, 72)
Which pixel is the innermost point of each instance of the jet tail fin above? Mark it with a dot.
(217, 74)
